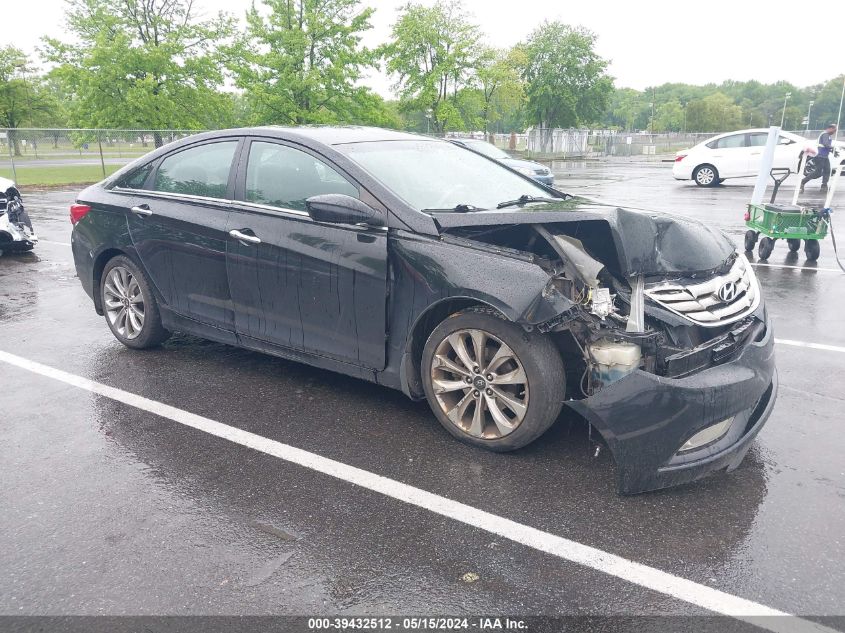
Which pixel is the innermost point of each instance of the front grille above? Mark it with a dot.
(720, 300)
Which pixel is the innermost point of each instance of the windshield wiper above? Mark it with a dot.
(460, 208)
(524, 199)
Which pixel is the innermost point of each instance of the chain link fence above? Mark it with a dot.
(577, 143)
(65, 156)
(38, 156)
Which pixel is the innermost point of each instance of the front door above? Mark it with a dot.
(296, 283)
(786, 153)
(178, 227)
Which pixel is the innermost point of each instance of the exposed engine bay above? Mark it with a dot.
(16, 232)
(654, 301)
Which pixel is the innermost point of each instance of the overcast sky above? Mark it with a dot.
(648, 42)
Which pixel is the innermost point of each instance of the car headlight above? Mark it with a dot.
(525, 170)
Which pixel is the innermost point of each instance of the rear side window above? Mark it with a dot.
(199, 171)
(728, 142)
(285, 177)
(135, 179)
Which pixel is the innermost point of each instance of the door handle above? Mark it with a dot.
(245, 238)
(142, 211)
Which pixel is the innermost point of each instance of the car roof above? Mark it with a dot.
(763, 130)
(337, 134)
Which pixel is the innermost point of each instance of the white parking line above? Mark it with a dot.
(822, 346)
(40, 241)
(805, 268)
(591, 557)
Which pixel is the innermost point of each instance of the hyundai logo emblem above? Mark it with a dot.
(728, 292)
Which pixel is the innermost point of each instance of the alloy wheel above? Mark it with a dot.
(480, 384)
(705, 175)
(123, 302)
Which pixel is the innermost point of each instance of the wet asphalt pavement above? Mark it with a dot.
(107, 509)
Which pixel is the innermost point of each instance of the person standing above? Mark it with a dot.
(822, 159)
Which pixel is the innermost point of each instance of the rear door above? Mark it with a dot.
(178, 227)
(730, 155)
(297, 283)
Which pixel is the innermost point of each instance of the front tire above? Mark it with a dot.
(811, 250)
(129, 306)
(794, 245)
(706, 176)
(490, 383)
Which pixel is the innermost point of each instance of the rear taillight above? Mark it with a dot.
(77, 212)
(680, 157)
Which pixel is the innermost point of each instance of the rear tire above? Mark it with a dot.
(794, 245)
(706, 176)
(767, 245)
(811, 250)
(129, 305)
(750, 240)
(523, 388)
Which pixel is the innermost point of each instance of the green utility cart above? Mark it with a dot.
(785, 221)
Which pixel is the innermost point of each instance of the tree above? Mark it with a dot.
(500, 84)
(24, 98)
(566, 83)
(300, 63)
(433, 53)
(714, 113)
(669, 117)
(148, 64)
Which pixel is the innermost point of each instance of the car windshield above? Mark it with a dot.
(433, 175)
(486, 148)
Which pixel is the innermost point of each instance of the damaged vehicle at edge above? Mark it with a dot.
(16, 232)
(421, 266)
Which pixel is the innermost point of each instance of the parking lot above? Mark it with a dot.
(114, 505)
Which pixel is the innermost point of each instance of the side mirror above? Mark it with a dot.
(338, 208)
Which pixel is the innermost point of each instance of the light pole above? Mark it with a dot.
(428, 114)
(809, 109)
(783, 114)
(652, 110)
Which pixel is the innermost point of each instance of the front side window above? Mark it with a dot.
(281, 176)
(730, 142)
(436, 175)
(759, 139)
(198, 171)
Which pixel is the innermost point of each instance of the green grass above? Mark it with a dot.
(53, 176)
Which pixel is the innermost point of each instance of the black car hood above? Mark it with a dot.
(629, 242)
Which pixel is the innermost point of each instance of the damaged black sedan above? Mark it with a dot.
(428, 268)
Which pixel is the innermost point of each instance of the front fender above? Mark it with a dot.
(426, 271)
(428, 276)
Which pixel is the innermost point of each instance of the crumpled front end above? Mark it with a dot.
(667, 431)
(16, 232)
(668, 349)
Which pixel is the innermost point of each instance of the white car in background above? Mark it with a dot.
(736, 155)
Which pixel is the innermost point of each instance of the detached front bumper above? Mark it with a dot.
(645, 418)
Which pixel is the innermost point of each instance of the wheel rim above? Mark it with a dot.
(705, 175)
(480, 384)
(123, 302)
